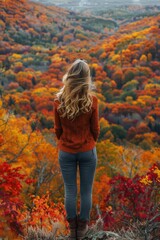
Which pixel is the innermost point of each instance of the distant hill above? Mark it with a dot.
(97, 4)
(37, 44)
(117, 10)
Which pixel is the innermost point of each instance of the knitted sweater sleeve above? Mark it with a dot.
(57, 123)
(95, 127)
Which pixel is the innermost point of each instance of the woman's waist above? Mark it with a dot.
(78, 138)
(76, 146)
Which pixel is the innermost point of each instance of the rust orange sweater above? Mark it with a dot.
(80, 134)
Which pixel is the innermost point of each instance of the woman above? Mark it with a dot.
(76, 124)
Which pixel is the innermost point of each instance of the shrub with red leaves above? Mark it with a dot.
(132, 200)
(10, 199)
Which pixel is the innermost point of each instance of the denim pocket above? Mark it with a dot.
(64, 155)
(94, 153)
(61, 154)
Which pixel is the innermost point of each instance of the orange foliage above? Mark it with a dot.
(44, 214)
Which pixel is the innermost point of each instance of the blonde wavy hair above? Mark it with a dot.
(75, 96)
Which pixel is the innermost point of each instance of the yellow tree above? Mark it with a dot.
(21, 146)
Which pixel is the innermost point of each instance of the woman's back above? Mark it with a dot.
(79, 134)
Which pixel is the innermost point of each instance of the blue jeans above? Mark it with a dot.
(87, 162)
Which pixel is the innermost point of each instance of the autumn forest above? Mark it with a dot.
(37, 43)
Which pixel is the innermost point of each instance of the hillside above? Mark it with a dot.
(125, 66)
(30, 23)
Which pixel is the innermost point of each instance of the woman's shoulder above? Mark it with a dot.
(56, 101)
(95, 99)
